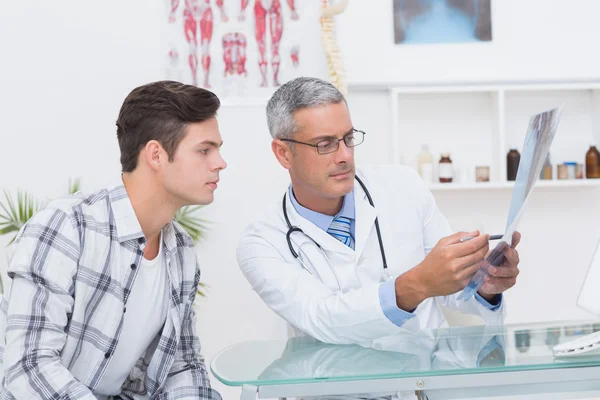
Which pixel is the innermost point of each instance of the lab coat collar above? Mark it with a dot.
(365, 216)
(325, 240)
(321, 220)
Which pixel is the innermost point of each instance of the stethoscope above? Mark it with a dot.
(292, 229)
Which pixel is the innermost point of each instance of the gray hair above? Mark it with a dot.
(295, 95)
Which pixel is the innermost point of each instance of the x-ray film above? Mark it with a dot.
(539, 137)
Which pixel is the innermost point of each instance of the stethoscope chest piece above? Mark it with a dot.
(386, 277)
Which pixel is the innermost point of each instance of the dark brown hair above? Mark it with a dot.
(160, 111)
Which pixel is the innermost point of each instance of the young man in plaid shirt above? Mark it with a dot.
(100, 302)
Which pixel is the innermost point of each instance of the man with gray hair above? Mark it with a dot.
(348, 263)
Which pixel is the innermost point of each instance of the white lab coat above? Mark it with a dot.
(411, 225)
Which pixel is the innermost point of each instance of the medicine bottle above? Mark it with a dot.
(425, 164)
(512, 164)
(445, 168)
(592, 163)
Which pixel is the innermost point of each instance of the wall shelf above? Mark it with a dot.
(479, 123)
(567, 183)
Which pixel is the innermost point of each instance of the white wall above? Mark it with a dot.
(70, 65)
(532, 40)
(65, 71)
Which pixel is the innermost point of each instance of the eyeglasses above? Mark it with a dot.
(329, 145)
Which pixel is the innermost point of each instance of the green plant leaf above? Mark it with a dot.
(15, 215)
(74, 186)
(195, 226)
(20, 205)
(8, 229)
(202, 289)
(6, 213)
(12, 212)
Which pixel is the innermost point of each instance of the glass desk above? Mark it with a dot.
(449, 363)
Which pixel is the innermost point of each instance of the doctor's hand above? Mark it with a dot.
(500, 279)
(447, 269)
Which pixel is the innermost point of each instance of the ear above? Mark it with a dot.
(154, 154)
(283, 153)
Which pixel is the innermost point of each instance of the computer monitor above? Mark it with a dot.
(589, 295)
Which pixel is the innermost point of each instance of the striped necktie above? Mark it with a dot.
(340, 229)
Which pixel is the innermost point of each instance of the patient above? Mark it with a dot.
(100, 303)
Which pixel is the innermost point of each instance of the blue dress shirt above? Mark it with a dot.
(387, 290)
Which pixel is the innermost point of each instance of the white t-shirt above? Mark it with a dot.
(145, 315)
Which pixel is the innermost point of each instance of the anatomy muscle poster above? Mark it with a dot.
(239, 47)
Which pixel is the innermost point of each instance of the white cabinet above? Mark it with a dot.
(479, 124)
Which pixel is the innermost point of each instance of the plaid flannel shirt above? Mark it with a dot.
(71, 273)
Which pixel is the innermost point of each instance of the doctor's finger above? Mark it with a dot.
(470, 259)
(503, 272)
(472, 246)
(498, 285)
(516, 239)
(455, 238)
(512, 256)
(468, 272)
(479, 246)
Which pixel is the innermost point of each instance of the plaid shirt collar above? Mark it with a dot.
(127, 225)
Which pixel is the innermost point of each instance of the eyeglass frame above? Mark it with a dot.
(316, 145)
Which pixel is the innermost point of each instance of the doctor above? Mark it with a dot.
(351, 256)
